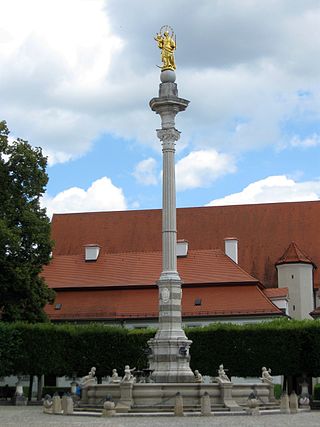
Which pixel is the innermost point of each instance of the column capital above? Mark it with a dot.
(168, 135)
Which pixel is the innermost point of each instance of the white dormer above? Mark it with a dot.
(91, 252)
(231, 248)
(182, 248)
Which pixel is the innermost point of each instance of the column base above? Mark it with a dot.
(170, 361)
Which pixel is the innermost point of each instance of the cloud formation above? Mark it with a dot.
(67, 78)
(145, 172)
(272, 189)
(102, 195)
(201, 168)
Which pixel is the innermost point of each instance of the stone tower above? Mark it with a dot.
(295, 271)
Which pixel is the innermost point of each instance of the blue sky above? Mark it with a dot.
(76, 78)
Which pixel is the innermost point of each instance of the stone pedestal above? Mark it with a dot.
(205, 405)
(178, 407)
(293, 403)
(69, 406)
(64, 403)
(108, 409)
(126, 399)
(56, 405)
(226, 396)
(284, 404)
(169, 358)
(253, 406)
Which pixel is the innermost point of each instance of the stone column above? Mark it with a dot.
(169, 358)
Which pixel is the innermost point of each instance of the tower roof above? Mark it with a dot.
(293, 254)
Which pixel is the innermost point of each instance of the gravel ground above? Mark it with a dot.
(33, 417)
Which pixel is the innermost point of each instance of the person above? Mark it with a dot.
(167, 46)
(78, 390)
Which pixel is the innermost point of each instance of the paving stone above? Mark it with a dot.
(11, 416)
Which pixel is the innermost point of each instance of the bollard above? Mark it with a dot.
(178, 407)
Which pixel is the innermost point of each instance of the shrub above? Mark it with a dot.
(287, 347)
(316, 392)
(277, 391)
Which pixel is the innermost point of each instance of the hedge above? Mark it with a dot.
(287, 347)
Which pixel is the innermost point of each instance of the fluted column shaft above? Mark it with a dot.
(169, 222)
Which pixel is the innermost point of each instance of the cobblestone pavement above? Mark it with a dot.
(33, 417)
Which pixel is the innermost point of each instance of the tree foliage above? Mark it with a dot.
(25, 243)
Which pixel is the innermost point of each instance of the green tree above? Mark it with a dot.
(25, 243)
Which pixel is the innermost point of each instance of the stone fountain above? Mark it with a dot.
(169, 358)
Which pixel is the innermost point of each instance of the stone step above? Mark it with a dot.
(150, 409)
(158, 408)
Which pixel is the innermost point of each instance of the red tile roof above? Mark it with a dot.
(276, 293)
(143, 303)
(141, 268)
(294, 254)
(264, 232)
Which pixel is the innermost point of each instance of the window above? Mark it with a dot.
(182, 248)
(58, 306)
(91, 252)
(197, 301)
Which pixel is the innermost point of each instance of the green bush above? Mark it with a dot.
(287, 347)
(316, 392)
(277, 391)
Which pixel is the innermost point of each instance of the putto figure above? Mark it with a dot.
(266, 375)
(167, 43)
(128, 377)
(89, 379)
(222, 374)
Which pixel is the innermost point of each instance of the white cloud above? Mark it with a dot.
(311, 141)
(73, 70)
(102, 195)
(201, 168)
(272, 189)
(53, 62)
(145, 172)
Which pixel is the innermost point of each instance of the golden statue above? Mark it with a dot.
(167, 44)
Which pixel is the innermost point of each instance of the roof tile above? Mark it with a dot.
(141, 268)
(264, 232)
(131, 303)
(294, 254)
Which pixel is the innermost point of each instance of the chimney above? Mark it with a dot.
(231, 248)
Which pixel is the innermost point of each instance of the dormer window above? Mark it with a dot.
(91, 252)
(182, 248)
